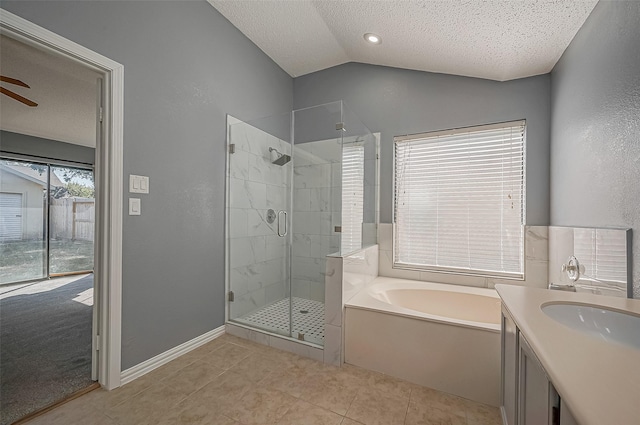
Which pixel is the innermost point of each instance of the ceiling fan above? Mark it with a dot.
(13, 95)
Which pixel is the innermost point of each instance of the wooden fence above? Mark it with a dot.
(73, 218)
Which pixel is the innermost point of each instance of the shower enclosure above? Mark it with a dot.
(300, 187)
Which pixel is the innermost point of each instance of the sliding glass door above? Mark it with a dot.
(23, 212)
(71, 220)
(46, 220)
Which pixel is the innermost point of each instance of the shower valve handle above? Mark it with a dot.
(283, 234)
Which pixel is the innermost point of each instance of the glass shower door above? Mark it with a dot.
(317, 221)
(259, 223)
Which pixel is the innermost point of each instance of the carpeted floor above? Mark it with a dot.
(45, 344)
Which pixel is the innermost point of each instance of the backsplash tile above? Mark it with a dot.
(603, 255)
(536, 243)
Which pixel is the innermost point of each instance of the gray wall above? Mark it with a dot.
(21, 144)
(185, 67)
(397, 101)
(595, 150)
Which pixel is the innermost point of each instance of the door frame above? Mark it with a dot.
(109, 190)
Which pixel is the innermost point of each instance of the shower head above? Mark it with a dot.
(278, 158)
(282, 160)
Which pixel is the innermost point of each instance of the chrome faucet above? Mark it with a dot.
(572, 268)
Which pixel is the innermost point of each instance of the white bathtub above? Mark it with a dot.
(441, 336)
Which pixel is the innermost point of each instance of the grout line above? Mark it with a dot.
(351, 404)
(406, 412)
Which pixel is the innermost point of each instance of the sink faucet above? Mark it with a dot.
(572, 267)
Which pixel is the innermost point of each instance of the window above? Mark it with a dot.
(352, 197)
(459, 201)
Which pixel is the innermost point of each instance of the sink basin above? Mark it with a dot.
(607, 325)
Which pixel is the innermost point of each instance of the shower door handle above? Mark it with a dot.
(283, 234)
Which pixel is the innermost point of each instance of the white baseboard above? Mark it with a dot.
(163, 358)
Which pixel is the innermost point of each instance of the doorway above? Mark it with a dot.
(108, 175)
(47, 236)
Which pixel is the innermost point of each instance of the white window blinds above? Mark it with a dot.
(459, 200)
(352, 197)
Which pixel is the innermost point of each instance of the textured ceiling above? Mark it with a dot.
(498, 40)
(65, 91)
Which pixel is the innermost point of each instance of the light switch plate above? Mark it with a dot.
(138, 184)
(134, 206)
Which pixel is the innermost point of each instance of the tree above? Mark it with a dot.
(66, 174)
(76, 189)
(69, 173)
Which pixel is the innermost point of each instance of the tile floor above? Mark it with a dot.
(230, 381)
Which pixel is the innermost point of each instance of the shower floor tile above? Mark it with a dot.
(308, 318)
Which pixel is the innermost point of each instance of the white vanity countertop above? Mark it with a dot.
(599, 381)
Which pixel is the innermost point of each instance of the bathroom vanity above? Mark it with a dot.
(556, 371)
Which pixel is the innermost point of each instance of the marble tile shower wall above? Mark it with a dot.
(536, 262)
(316, 212)
(257, 266)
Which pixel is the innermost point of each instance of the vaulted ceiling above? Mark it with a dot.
(497, 40)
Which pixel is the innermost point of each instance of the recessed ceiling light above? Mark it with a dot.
(372, 38)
